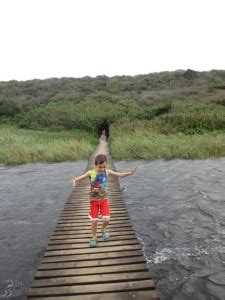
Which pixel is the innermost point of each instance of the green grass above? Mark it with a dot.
(18, 146)
(191, 118)
(141, 141)
(178, 129)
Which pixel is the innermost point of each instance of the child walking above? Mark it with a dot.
(99, 205)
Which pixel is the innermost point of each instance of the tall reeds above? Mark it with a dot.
(19, 146)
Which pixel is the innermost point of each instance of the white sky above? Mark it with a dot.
(75, 38)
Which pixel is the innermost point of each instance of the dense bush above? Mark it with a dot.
(67, 115)
(166, 85)
(191, 118)
(8, 108)
(90, 115)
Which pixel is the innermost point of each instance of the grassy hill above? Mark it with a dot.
(158, 115)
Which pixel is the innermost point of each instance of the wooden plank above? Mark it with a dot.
(90, 279)
(93, 288)
(85, 221)
(64, 235)
(91, 256)
(92, 250)
(85, 211)
(85, 205)
(137, 295)
(78, 201)
(84, 215)
(112, 222)
(100, 244)
(70, 217)
(87, 239)
(113, 213)
(87, 226)
(112, 226)
(68, 235)
(86, 229)
(93, 270)
(86, 232)
(92, 263)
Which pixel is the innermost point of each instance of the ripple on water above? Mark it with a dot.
(13, 289)
(177, 208)
(179, 216)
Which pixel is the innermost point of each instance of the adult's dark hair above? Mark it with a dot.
(100, 159)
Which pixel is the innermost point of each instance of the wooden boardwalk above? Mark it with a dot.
(115, 270)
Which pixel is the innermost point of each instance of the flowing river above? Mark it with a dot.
(177, 208)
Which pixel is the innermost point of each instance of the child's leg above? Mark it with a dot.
(105, 223)
(94, 228)
(93, 241)
(105, 233)
(94, 218)
(105, 211)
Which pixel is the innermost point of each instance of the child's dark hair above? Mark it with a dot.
(100, 159)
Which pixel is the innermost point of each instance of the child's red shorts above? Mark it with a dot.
(99, 209)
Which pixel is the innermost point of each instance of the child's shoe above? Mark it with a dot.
(93, 243)
(105, 235)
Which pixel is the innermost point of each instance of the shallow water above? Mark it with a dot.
(178, 211)
(177, 208)
(32, 198)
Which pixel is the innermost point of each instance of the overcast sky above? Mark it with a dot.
(76, 38)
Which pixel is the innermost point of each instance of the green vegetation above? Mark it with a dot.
(192, 118)
(88, 115)
(141, 141)
(160, 115)
(21, 146)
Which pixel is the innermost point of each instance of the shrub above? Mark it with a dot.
(8, 108)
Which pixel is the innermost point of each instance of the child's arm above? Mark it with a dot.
(74, 179)
(124, 174)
